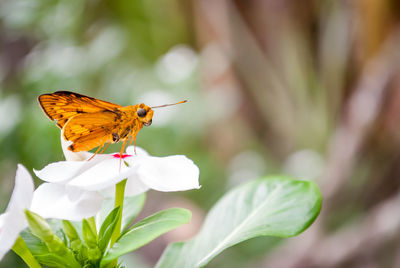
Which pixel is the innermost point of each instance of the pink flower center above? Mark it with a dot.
(121, 156)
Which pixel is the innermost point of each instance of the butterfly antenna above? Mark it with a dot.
(165, 105)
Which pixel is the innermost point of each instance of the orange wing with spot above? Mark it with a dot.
(63, 105)
(87, 131)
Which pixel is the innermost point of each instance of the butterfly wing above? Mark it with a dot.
(63, 105)
(89, 130)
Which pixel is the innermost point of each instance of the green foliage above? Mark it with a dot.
(55, 252)
(70, 230)
(271, 206)
(145, 231)
(53, 260)
(107, 228)
(75, 242)
(89, 234)
(51, 251)
(132, 206)
(21, 249)
(41, 228)
(35, 245)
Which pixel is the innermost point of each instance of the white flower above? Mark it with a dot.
(13, 221)
(171, 173)
(60, 201)
(49, 201)
(56, 201)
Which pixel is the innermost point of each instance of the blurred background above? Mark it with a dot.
(305, 88)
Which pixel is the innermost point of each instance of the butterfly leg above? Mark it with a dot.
(133, 139)
(121, 152)
(98, 149)
(123, 147)
(102, 151)
(134, 145)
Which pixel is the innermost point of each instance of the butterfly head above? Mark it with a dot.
(145, 114)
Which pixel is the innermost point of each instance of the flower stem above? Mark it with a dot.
(21, 249)
(119, 202)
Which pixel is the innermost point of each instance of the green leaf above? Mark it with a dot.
(107, 228)
(22, 250)
(41, 228)
(35, 245)
(132, 206)
(53, 260)
(145, 231)
(41, 253)
(271, 206)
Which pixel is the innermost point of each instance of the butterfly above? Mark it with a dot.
(89, 122)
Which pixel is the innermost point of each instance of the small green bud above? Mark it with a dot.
(39, 227)
(42, 229)
(94, 254)
(92, 224)
(70, 230)
(73, 236)
(88, 235)
(76, 244)
(82, 254)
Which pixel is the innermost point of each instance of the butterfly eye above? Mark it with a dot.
(141, 112)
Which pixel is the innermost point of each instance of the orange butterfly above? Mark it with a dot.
(88, 122)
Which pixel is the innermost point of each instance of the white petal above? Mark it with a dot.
(3, 219)
(172, 173)
(55, 201)
(72, 156)
(11, 224)
(103, 175)
(135, 186)
(108, 192)
(13, 221)
(23, 190)
(139, 151)
(62, 171)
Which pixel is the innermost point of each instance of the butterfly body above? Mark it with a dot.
(88, 122)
